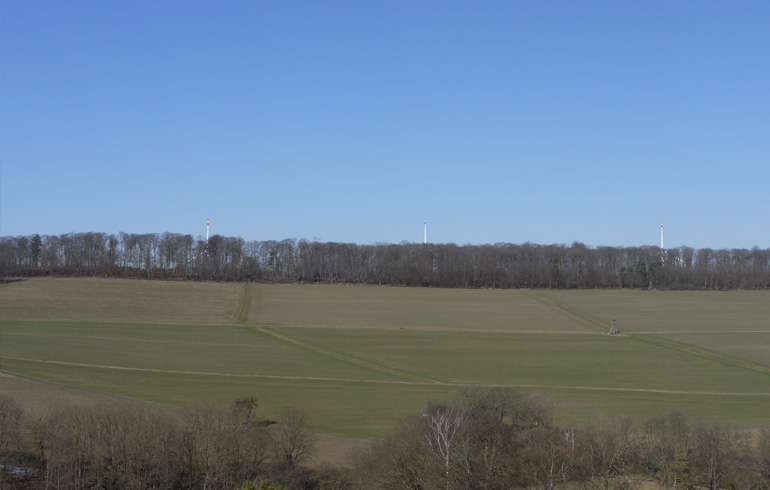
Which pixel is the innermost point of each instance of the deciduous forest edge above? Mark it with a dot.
(502, 265)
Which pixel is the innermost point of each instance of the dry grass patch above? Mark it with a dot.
(394, 307)
(119, 300)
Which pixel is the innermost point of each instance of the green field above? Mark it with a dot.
(358, 359)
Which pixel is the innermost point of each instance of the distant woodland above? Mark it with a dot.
(502, 265)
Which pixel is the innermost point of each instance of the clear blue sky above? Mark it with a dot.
(511, 121)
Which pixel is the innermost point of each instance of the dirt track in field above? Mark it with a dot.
(344, 358)
(418, 328)
(369, 381)
(700, 332)
(569, 311)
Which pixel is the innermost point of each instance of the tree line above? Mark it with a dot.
(502, 265)
(498, 439)
(105, 447)
(485, 439)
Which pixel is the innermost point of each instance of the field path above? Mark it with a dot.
(342, 357)
(225, 375)
(643, 336)
(418, 328)
(245, 309)
(699, 332)
(243, 318)
(706, 354)
(374, 381)
(567, 310)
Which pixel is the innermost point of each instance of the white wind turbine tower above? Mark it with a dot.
(425, 234)
(677, 259)
(662, 250)
(205, 252)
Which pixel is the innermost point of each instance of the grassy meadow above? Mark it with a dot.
(357, 359)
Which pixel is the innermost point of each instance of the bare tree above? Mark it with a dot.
(399, 461)
(716, 453)
(445, 432)
(611, 450)
(293, 441)
(244, 410)
(763, 461)
(10, 434)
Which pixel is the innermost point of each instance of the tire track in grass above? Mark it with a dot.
(86, 390)
(699, 332)
(342, 357)
(387, 382)
(243, 317)
(224, 375)
(566, 310)
(418, 328)
(643, 336)
(697, 351)
(243, 312)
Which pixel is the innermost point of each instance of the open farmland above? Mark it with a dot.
(358, 359)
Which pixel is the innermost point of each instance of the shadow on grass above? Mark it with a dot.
(9, 281)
